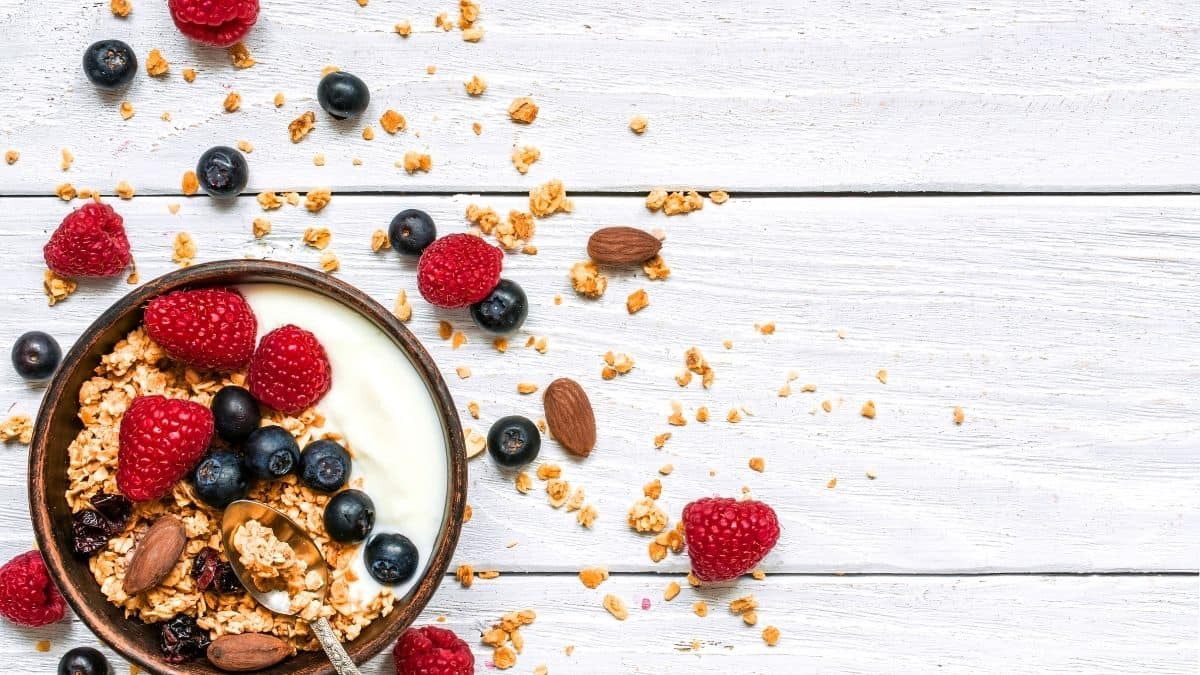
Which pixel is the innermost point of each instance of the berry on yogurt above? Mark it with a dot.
(391, 558)
(271, 452)
(324, 466)
(349, 516)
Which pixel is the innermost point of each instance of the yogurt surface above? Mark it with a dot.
(381, 406)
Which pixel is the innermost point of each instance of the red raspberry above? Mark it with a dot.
(289, 370)
(727, 538)
(220, 23)
(205, 328)
(90, 242)
(432, 651)
(160, 440)
(27, 595)
(458, 270)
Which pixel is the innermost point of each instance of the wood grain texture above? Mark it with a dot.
(1142, 624)
(768, 95)
(1065, 327)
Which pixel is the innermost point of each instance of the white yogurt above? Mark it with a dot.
(382, 407)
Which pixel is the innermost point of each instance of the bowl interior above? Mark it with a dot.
(58, 424)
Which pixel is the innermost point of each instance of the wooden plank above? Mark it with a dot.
(1065, 328)
(760, 96)
(1140, 624)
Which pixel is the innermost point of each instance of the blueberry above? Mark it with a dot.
(514, 441)
(271, 452)
(503, 310)
(83, 661)
(109, 64)
(220, 479)
(222, 172)
(35, 355)
(324, 466)
(349, 516)
(411, 231)
(391, 558)
(343, 95)
(236, 413)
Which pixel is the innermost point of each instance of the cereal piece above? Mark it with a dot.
(758, 464)
(702, 414)
(881, 376)
(417, 161)
(445, 330)
(666, 469)
(758, 575)
(477, 128)
(526, 387)
(403, 29)
(750, 618)
(616, 607)
(124, 190)
(239, 54)
(494, 637)
(183, 249)
(558, 491)
(269, 201)
(65, 191)
(475, 86)
(476, 442)
(468, 13)
(700, 608)
(155, 64)
(770, 635)
(656, 199)
(458, 339)
(472, 406)
(319, 159)
(279, 99)
(245, 146)
(523, 482)
(832, 483)
(500, 344)
(472, 34)
(261, 227)
(120, 8)
(827, 406)
(548, 470)
(733, 416)
(317, 199)
(19, 428)
(549, 198)
(637, 301)
(465, 576)
(587, 280)
(785, 391)
(638, 124)
(524, 156)
(317, 237)
(523, 110)
(592, 577)
(746, 603)
(868, 410)
(126, 110)
(443, 21)
(647, 516)
(368, 133)
(683, 378)
(718, 196)
(11, 157)
(379, 241)
(430, 69)
(677, 419)
(766, 328)
(586, 516)
(504, 657)
(392, 121)
(56, 288)
(173, 208)
(656, 268)
(483, 216)
(653, 489)
(233, 101)
(189, 75)
(808, 388)
(403, 310)
(692, 580)
(329, 262)
(190, 184)
(302, 125)
(292, 198)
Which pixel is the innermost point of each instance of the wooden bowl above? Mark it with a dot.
(57, 425)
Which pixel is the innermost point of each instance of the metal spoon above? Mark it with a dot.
(243, 510)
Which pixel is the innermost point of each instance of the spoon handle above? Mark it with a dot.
(333, 649)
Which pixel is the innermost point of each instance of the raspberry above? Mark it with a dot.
(90, 242)
(160, 440)
(220, 23)
(432, 651)
(27, 595)
(727, 538)
(205, 328)
(458, 270)
(289, 371)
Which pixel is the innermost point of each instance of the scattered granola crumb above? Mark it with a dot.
(758, 574)
(692, 580)
(868, 410)
(959, 415)
(524, 156)
(637, 301)
(65, 191)
(445, 330)
(653, 489)
(379, 241)
(239, 54)
(832, 483)
(718, 196)
(827, 406)
(269, 200)
(504, 657)
(317, 199)
(770, 636)
(881, 376)
(431, 69)
(702, 414)
(120, 8)
(647, 516)
(317, 237)
(392, 121)
(523, 482)
(808, 388)
(42, 645)
(173, 208)
(523, 110)
(733, 416)
(765, 328)
(155, 64)
(587, 280)
(841, 333)
(592, 577)
(233, 101)
(660, 441)
(742, 605)
(302, 125)
(871, 475)
(674, 203)
(124, 190)
(587, 516)
(700, 608)
(477, 128)
(548, 471)
(468, 512)
(18, 427)
(465, 575)
(368, 133)
(319, 159)
(261, 227)
(616, 607)
(190, 184)
(57, 288)
(189, 75)
(677, 419)
(329, 262)
(292, 198)
(403, 29)
(750, 618)
(11, 157)
(526, 388)
(403, 310)
(656, 268)
(472, 34)
(279, 99)
(417, 161)
(443, 21)
(475, 86)
(458, 339)
(183, 249)
(500, 344)
(758, 464)
(549, 198)
(638, 124)
(165, 116)
(68, 157)
(785, 391)
(245, 146)
(330, 68)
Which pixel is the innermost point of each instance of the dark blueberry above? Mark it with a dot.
(89, 532)
(343, 95)
(503, 310)
(211, 574)
(411, 231)
(35, 355)
(181, 639)
(222, 171)
(109, 64)
(391, 558)
(514, 441)
(116, 509)
(324, 466)
(83, 661)
(349, 516)
(220, 479)
(235, 413)
(271, 452)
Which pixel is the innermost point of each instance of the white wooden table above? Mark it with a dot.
(1056, 529)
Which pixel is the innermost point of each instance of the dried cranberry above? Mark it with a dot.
(181, 639)
(213, 575)
(89, 532)
(227, 581)
(116, 508)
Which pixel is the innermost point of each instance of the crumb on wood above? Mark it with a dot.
(156, 65)
(523, 110)
(302, 125)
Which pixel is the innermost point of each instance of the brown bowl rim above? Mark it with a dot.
(229, 272)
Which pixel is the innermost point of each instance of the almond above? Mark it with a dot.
(622, 246)
(155, 555)
(247, 651)
(569, 414)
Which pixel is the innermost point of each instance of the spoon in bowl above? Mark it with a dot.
(279, 601)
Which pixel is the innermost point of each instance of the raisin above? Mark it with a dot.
(115, 508)
(211, 574)
(89, 532)
(181, 639)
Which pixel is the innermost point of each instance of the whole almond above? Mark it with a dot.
(569, 414)
(247, 651)
(155, 555)
(622, 246)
